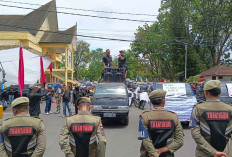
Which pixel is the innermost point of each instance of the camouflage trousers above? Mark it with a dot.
(58, 102)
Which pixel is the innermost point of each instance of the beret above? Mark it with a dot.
(20, 101)
(157, 94)
(212, 84)
(82, 100)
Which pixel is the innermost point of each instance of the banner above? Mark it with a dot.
(229, 88)
(175, 89)
(181, 106)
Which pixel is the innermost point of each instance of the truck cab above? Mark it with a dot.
(111, 101)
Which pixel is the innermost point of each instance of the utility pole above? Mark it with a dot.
(186, 60)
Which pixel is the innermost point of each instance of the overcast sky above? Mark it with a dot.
(95, 26)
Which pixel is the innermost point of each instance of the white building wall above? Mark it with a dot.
(225, 78)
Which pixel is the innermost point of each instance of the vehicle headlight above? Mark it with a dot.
(123, 108)
(96, 107)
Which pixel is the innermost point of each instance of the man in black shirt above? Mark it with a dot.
(11, 93)
(35, 98)
(76, 95)
(122, 62)
(67, 100)
(107, 60)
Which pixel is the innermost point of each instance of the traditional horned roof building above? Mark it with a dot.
(39, 33)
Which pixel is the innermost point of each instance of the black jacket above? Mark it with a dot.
(34, 105)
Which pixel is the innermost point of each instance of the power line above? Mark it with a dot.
(112, 39)
(149, 34)
(56, 32)
(88, 10)
(86, 15)
(91, 35)
(98, 30)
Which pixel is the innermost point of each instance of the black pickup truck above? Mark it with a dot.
(111, 100)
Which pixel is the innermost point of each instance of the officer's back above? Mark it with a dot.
(160, 130)
(83, 134)
(22, 135)
(212, 123)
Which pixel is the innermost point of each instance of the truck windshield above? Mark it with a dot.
(113, 91)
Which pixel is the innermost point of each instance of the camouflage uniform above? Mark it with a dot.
(58, 100)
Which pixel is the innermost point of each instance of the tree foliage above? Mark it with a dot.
(203, 27)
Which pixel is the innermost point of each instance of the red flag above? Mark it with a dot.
(43, 78)
(163, 80)
(21, 71)
(50, 67)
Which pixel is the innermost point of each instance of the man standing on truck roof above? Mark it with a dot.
(122, 62)
(107, 60)
(160, 130)
(212, 124)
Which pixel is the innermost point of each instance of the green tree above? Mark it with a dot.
(94, 67)
(148, 47)
(211, 23)
(81, 58)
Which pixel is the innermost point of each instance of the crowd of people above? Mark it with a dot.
(83, 134)
(160, 130)
(52, 95)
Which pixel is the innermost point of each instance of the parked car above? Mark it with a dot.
(179, 99)
(111, 100)
(226, 92)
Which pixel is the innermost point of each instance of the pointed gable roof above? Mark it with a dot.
(33, 21)
(219, 70)
(65, 36)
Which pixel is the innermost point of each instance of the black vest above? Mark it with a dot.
(20, 140)
(218, 122)
(82, 133)
(161, 131)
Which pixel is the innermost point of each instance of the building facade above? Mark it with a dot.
(38, 32)
(220, 72)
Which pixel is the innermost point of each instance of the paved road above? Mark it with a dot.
(121, 141)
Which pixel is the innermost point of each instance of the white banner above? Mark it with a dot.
(10, 62)
(229, 88)
(175, 89)
(69, 59)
